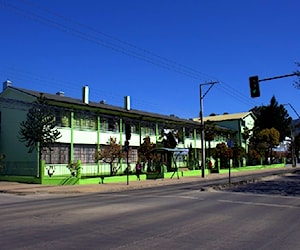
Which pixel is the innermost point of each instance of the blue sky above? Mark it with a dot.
(156, 51)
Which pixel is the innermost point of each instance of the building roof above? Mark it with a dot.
(62, 100)
(226, 117)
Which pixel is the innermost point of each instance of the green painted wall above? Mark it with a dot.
(16, 153)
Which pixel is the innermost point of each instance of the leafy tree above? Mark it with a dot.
(270, 137)
(110, 154)
(265, 140)
(297, 144)
(145, 149)
(237, 153)
(253, 157)
(273, 116)
(223, 153)
(38, 130)
(297, 82)
(210, 133)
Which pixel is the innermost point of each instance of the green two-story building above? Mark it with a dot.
(85, 126)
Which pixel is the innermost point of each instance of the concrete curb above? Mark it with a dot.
(205, 184)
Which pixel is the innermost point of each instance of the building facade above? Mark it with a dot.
(85, 127)
(240, 123)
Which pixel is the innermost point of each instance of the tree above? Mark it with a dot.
(270, 137)
(145, 149)
(297, 83)
(264, 141)
(38, 130)
(273, 116)
(210, 133)
(253, 157)
(110, 153)
(237, 153)
(223, 153)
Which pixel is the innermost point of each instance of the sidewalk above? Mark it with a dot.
(24, 188)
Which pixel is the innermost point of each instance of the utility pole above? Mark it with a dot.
(202, 125)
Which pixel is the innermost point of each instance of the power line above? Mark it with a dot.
(116, 39)
(229, 90)
(134, 51)
(69, 87)
(110, 45)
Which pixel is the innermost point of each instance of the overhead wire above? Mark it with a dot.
(105, 43)
(143, 50)
(229, 90)
(68, 87)
(130, 49)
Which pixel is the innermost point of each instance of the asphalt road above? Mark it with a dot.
(168, 217)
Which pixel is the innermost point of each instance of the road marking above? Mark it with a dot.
(266, 194)
(259, 204)
(154, 196)
(181, 197)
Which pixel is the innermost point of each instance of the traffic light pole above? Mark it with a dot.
(277, 77)
(254, 83)
(202, 125)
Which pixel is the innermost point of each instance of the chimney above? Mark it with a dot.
(85, 94)
(127, 102)
(6, 84)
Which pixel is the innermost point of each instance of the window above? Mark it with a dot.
(109, 124)
(85, 121)
(85, 153)
(189, 133)
(58, 154)
(62, 118)
(132, 156)
(147, 131)
(103, 124)
(135, 128)
(113, 125)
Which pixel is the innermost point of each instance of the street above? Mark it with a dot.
(168, 217)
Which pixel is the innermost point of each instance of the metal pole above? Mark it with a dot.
(294, 162)
(202, 135)
(277, 77)
(127, 167)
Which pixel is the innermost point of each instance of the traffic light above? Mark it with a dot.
(127, 131)
(254, 86)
